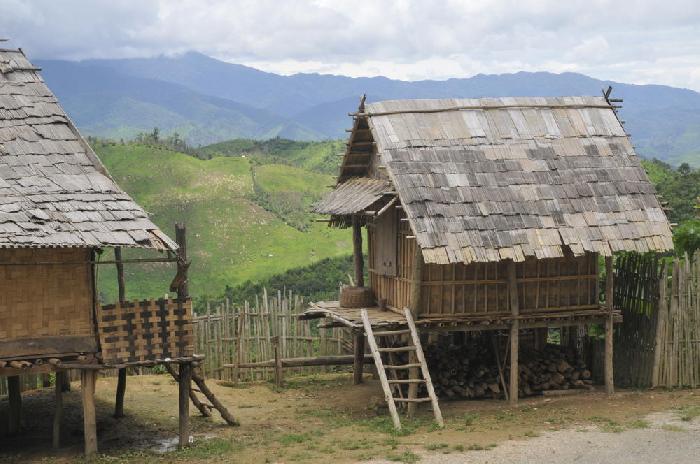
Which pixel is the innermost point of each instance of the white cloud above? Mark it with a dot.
(630, 41)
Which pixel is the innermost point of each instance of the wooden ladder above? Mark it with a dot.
(412, 346)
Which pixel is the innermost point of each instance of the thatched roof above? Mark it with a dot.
(54, 191)
(507, 178)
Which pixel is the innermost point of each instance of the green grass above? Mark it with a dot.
(688, 413)
(231, 239)
(407, 457)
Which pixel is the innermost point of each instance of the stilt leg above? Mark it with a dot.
(15, 398)
(359, 361)
(514, 368)
(609, 382)
(58, 412)
(185, 381)
(87, 386)
(121, 389)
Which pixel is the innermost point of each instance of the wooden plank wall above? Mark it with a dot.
(46, 304)
(480, 288)
(396, 290)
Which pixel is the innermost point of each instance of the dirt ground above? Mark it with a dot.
(318, 419)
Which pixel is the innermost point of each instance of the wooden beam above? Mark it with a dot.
(87, 391)
(58, 408)
(358, 357)
(184, 386)
(358, 258)
(514, 333)
(609, 322)
(14, 396)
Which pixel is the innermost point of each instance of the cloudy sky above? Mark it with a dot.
(628, 41)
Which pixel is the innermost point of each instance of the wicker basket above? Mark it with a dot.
(356, 297)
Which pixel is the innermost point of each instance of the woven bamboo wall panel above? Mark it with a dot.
(45, 300)
(147, 330)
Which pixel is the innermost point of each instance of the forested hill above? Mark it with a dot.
(206, 101)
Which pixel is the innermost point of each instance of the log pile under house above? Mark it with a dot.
(59, 210)
(489, 214)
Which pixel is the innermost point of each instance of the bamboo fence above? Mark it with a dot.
(227, 334)
(658, 343)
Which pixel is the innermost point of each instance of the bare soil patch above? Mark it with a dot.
(314, 419)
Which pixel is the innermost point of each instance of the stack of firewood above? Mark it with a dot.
(470, 369)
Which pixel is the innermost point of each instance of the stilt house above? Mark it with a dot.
(58, 208)
(490, 213)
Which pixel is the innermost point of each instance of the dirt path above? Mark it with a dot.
(318, 419)
(661, 438)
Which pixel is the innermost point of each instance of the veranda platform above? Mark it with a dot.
(390, 317)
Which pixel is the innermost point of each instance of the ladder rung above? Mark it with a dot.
(397, 349)
(401, 366)
(412, 400)
(389, 333)
(407, 381)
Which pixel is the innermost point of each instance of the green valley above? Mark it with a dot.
(247, 216)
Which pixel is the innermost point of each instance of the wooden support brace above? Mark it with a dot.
(87, 391)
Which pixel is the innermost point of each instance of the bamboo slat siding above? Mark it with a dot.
(44, 303)
(54, 191)
(230, 335)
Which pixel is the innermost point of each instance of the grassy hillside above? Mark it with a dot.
(232, 237)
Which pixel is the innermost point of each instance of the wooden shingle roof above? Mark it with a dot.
(506, 178)
(353, 195)
(54, 191)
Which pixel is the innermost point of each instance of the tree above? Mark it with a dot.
(686, 237)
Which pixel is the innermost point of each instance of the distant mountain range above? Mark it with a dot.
(207, 100)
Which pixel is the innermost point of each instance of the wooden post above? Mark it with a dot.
(416, 280)
(359, 357)
(278, 361)
(412, 406)
(609, 379)
(185, 371)
(14, 397)
(121, 378)
(87, 391)
(184, 383)
(58, 411)
(357, 251)
(514, 333)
